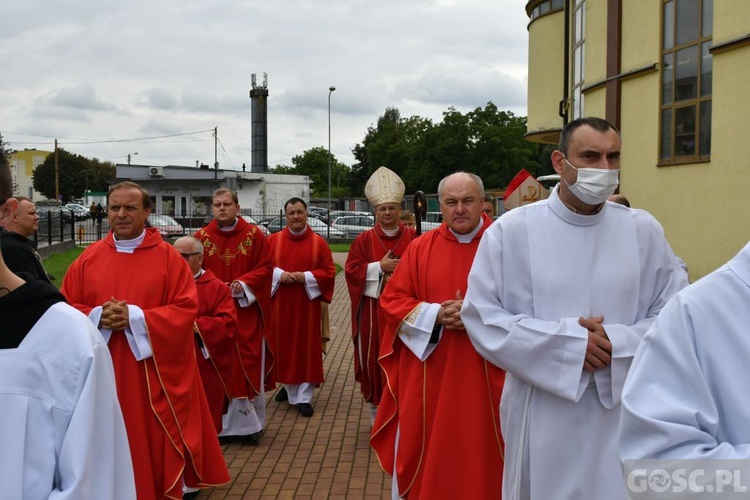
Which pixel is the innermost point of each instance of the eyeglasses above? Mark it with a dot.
(188, 255)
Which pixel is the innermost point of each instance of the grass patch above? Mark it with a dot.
(339, 247)
(57, 264)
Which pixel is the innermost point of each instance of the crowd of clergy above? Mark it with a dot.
(532, 356)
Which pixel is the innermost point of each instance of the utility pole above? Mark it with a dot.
(57, 175)
(216, 152)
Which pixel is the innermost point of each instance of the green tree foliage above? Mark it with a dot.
(75, 175)
(485, 141)
(314, 164)
(4, 149)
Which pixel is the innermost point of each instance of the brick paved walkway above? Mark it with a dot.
(325, 456)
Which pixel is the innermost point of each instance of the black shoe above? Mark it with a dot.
(228, 439)
(192, 494)
(305, 409)
(281, 396)
(252, 439)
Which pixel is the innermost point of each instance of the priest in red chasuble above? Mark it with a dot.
(303, 279)
(138, 290)
(238, 254)
(215, 327)
(438, 429)
(373, 256)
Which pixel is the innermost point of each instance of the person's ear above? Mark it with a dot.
(557, 161)
(8, 211)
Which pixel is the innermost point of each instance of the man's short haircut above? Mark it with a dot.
(145, 199)
(407, 215)
(23, 198)
(196, 244)
(474, 177)
(6, 182)
(222, 191)
(598, 124)
(620, 199)
(293, 201)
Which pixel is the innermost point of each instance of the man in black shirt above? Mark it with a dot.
(19, 254)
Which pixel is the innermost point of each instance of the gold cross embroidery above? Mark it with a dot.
(227, 257)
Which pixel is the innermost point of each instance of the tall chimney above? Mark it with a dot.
(259, 125)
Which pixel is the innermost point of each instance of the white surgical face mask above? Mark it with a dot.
(594, 185)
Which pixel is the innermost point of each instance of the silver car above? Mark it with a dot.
(352, 225)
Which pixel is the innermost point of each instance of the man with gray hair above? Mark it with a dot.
(428, 360)
(215, 328)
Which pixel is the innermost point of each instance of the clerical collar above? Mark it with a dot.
(199, 273)
(466, 238)
(571, 217)
(390, 232)
(129, 246)
(297, 233)
(575, 210)
(230, 227)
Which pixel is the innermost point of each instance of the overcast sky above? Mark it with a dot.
(89, 72)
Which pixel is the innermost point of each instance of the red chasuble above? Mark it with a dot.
(215, 329)
(295, 328)
(370, 246)
(166, 415)
(447, 407)
(242, 254)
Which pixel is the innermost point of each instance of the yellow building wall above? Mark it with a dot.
(23, 164)
(595, 69)
(546, 63)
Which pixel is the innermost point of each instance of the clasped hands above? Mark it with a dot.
(599, 348)
(291, 278)
(115, 315)
(449, 314)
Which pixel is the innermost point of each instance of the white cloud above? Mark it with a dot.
(105, 70)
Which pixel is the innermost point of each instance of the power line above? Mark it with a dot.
(84, 141)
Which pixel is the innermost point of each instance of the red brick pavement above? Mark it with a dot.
(325, 456)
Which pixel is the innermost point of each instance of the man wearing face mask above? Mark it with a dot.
(559, 295)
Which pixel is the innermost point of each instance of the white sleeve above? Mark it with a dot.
(311, 286)
(137, 334)
(675, 400)
(247, 298)
(415, 333)
(96, 316)
(372, 280)
(277, 272)
(95, 457)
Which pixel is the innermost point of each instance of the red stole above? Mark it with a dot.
(370, 246)
(169, 426)
(215, 326)
(243, 254)
(296, 325)
(447, 407)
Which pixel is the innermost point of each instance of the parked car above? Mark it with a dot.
(317, 225)
(81, 212)
(263, 229)
(352, 225)
(431, 221)
(317, 212)
(166, 225)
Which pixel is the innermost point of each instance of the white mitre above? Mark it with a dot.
(384, 186)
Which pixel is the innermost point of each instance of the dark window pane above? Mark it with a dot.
(708, 18)
(667, 78)
(668, 25)
(688, 19)
(704, 134)
(707, 69)
(579, 25)
(666, 134)
(686, 74)
(577, 66)
(684, 137)
(557, 4)
(544, 8)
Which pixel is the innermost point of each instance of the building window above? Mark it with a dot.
(579, 56)
(686, 80)
(545, 7)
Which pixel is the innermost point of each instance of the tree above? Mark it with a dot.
(4, 149)
(73, 175)
(314, 164)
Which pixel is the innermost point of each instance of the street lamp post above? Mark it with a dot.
(330, 91)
